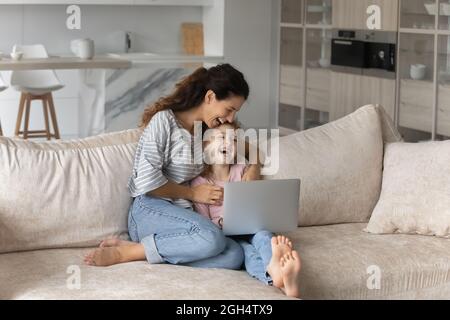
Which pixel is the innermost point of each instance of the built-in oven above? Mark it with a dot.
(380, 56)
(349, 53)
(363, 49)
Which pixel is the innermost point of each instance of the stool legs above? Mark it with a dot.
(47, 125)
(51, 106)
(20, 114)
(48, 108)
(27, 118)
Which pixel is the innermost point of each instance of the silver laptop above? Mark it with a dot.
(252, 206)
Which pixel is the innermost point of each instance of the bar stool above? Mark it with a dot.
(35, 85)
(3, 86)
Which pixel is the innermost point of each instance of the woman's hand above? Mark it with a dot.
(207, 194)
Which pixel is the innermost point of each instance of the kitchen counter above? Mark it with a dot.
(61, 62)
(109, 61)
(170, 60)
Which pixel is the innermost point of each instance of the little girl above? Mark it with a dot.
(270, 259)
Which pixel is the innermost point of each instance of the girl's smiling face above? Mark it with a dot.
(221, 145)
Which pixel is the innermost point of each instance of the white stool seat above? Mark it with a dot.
(37, 91)
(37, 82)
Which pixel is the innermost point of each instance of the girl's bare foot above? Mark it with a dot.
(290, 268)
(115, 242)
(280, 246)
(107, 256)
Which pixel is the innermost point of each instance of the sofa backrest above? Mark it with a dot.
(64, 193)
(340, 166)
(74, 193)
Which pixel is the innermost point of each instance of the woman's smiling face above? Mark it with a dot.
(217, 111)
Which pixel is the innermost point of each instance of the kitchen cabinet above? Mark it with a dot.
(351, 91)
(417, 14)
(305, 54)
(318, 12)
(443, 87)
(352, 14)
(416, 85)
(318, 57)
(292, 11)
(424, 70)
(418, 99)
(318, 89)
(114, 2)
(416, 105)
(291, 92)
(443, 113)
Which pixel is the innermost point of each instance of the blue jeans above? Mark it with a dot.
(258, 252)
(180, 236)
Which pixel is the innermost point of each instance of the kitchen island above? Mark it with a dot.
(114, 100)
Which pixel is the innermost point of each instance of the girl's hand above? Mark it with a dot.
(252, 172)
(207, 194)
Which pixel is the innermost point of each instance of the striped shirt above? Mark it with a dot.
(165, 152)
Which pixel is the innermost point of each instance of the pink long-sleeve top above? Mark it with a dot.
(215, 212)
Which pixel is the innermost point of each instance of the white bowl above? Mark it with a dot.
(431, 8)
(418, 71)
(16, 56)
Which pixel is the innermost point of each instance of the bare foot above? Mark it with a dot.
(280, 246)
(290, 268)
(115, 242)
(106, 256)
(103, 256)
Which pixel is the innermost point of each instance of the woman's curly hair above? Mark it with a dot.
(190, 92)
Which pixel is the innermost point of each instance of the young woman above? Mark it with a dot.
(161, 222)
(268, 258)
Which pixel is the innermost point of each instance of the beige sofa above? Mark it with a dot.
(59, 199)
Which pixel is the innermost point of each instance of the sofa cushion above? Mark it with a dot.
(388, 129)
(53, 274)
(335, 264)
(415, 194)
(339, 261)
(340, 167)
(64, 193)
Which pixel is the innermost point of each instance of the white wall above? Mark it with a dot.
(249, 40)
(155, 28)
